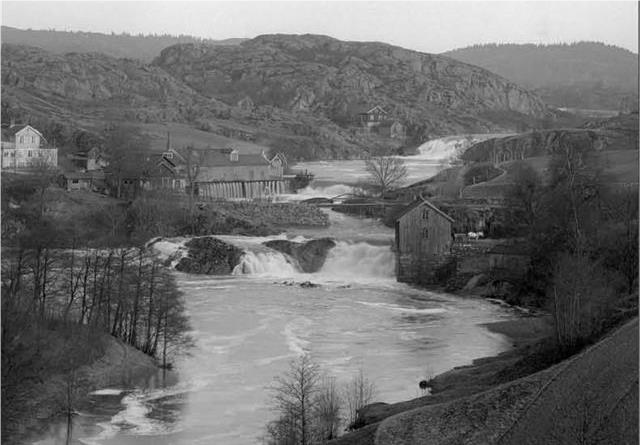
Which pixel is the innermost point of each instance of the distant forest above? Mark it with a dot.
(583, 74)
(143, 47)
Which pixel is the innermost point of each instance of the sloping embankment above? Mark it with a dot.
(592, 396)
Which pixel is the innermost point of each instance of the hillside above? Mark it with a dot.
(297, 94)
(591, 397)
(336, 80)
(587, 75)
(618, 133)
(143, 47)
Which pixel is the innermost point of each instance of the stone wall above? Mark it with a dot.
(431, 270)
(455, 269)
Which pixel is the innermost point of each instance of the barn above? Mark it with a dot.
(423, 239)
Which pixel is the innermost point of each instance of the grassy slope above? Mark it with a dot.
(618, 167)
(183, 135)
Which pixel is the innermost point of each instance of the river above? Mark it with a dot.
(248, 326)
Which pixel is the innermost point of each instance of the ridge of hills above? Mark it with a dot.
(142, 47)
(296, 94)
(588, 75)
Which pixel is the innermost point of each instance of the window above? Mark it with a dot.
(22, 139)
(425, 233)
(29, 154)
(75, 181)
(425, 214)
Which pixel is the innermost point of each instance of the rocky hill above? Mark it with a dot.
(142, 47)
(581, 75)
(618, 133)
(336, 79)
(297, 94)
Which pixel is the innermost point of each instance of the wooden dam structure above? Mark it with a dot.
(243, 189)
(221, 173)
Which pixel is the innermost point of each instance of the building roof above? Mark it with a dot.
(12, 131)
(219, 157)
(372, 110)
(421, 201)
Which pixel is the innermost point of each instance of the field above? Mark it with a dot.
(183, 135)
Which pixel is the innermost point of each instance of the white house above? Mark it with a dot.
(23, 147)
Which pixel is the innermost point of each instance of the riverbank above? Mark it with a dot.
(525, 334)
(46, 401)
(592, 395)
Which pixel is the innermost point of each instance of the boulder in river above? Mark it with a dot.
(209, 256)
(310, 255)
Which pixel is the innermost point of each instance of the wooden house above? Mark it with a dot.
(423, 239)
(93, 180)
(373, 117)
(88, 160)
(23, 148)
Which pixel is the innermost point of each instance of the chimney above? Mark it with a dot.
(168, 141)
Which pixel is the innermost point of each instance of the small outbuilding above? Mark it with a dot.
(423, 239)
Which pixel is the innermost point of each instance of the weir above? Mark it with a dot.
(347, 261)
(243, 189)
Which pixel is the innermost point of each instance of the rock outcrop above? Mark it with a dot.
(298, 94)
(597, 136)
(209, 256)
(332, 78)
(310, 255)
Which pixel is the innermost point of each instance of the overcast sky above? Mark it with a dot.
(427, 26)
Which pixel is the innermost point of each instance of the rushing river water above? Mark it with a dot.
(248, 326)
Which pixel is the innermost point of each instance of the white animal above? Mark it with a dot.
(475, 235)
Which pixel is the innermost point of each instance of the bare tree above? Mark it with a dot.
(385, 172)
(293, 399)
(328, 405)
(359, 392)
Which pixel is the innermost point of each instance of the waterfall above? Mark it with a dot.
(265, 263)
(451, 147)
(359, 261)
(347, 262)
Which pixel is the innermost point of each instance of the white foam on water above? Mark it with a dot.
(293, 332)
(397, 308)
(170, 249)
(329, 191)
(107, 392)
(359, 262)
(265, 264)
(450, 148)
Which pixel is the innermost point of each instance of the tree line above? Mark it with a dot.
(61, 300)
(582, 234)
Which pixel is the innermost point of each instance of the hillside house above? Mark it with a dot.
(88, 160)
(423, 240)
(23, 148)
(373, 117)
(377, 120)
(93, 180)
